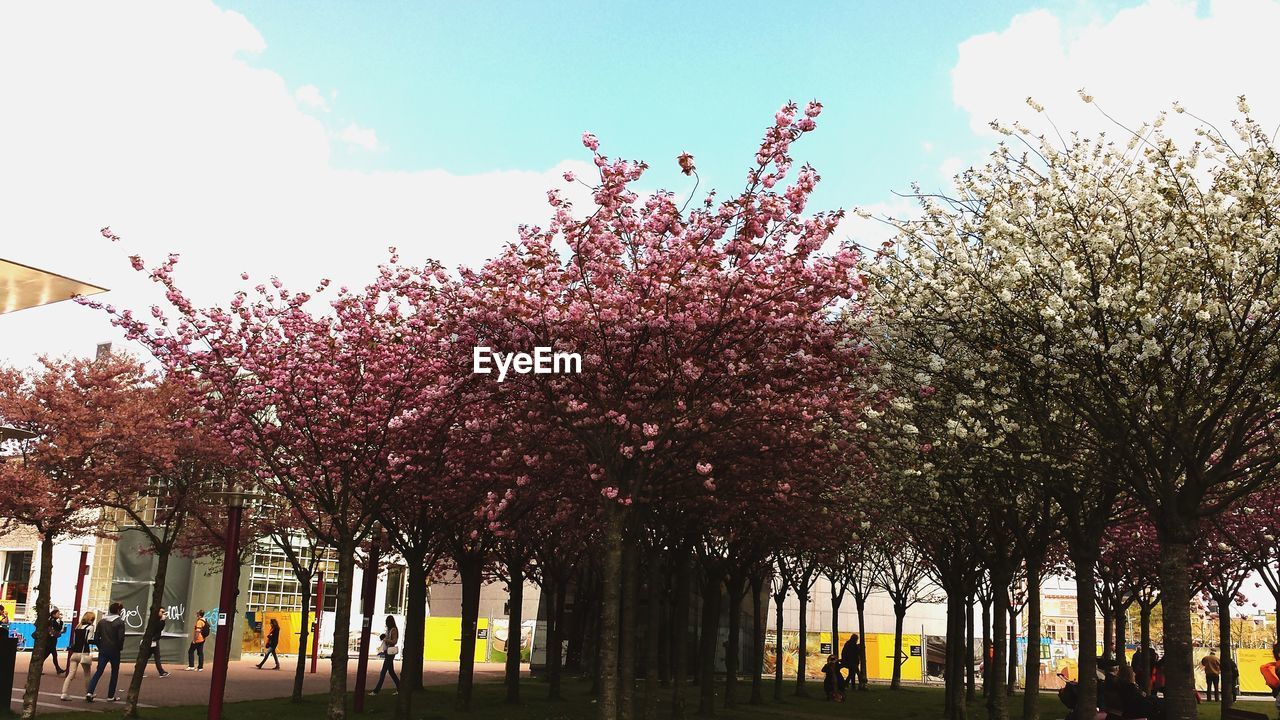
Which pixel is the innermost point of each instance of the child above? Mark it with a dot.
(833, 681)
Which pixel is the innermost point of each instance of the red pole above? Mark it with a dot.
(315, 635)
(75, 613)
(368, 587)
(226, 607)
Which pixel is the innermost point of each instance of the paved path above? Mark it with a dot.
(244, 682)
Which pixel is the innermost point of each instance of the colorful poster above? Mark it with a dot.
(1250, 662)
(879, 648)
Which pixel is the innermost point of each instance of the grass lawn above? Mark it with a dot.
(436, 703)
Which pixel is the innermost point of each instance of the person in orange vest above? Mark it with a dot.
(1270, 676)
(199, 632)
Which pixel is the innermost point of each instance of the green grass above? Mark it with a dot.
(437, 703)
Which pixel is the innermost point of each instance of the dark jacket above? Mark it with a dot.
(849, 655)
(110, 634)
(273, 637)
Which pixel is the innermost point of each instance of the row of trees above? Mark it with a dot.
(1069, 363)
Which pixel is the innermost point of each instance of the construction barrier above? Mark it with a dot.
(444, 639)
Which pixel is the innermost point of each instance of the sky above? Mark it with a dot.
(303, 139)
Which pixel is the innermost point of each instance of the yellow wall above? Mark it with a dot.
(880, 655)
(1249, 660)
(443, 639)
(11, 608)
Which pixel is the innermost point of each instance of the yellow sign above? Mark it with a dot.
(10, 609)
(443, 639)
(1250, 662)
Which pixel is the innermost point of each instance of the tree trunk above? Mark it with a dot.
(555, 628)
(304, 633)
(1122, 633)
(1013, 650)
(1108, 634)
(337, 709)
(998, 698)
(610, 621)
(413, 639)
(41, 644)
(150, 634)
(708, 638)
(515, 618)
(758, 621)
(802, 654)
(627, 635)
(1175, 593)
(971, 685)
(1224, 646)
(861, 601)
(469, 568)
(653, 633)
(1144, 628)
(680, 630)
(954, 675)
(1031, 684)
(899, 617)
(735, 589)
(836, 600)
(1087, 626)
(779, 598)
(987, 663)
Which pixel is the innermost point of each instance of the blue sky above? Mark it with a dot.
(476, 87)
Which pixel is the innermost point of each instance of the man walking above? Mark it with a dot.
(109, 637)
(851, 657)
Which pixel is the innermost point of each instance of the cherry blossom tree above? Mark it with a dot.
(689, 324)
(77, 412)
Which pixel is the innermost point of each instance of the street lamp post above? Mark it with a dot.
(368, 587)
(75, 613)
(226, 601)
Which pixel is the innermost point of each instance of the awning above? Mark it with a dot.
(24, 287)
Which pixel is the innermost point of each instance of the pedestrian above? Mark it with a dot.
(1272, 678)
(388, 648)
(155, 643)
(51, 649)
(108, 636)
(1212, 675)
(269, 650)
(832, 680)
(850, 656)
(81, 656)
(199, 632)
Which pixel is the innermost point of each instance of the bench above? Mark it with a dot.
(1237, 714)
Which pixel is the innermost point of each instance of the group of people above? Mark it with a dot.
(101, 640)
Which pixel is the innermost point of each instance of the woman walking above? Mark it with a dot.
(273, 639)
(388, 649)
(51, 649)
(81, 656)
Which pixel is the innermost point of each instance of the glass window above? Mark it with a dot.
(17, 574)
(1071, 633)
(272, 584)
(395, 590)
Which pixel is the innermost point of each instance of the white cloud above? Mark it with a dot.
(950, 168)
(353, 134)
(1136, 64)
(178, 144)
(926, 146)
(310, 96)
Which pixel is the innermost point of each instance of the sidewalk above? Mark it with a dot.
(244, 682)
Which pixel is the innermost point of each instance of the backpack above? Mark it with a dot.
(204, 629)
